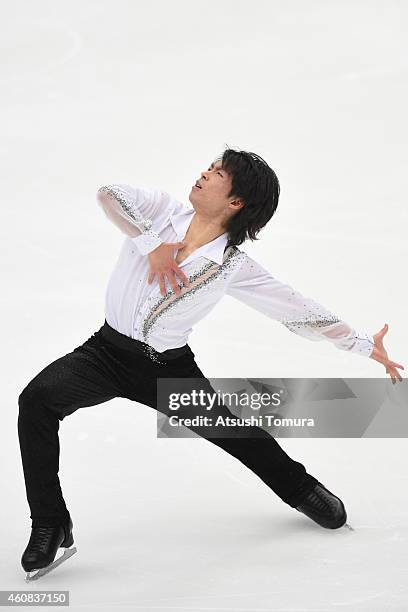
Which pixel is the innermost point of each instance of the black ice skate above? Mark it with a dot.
(39, 556)
(325, 508)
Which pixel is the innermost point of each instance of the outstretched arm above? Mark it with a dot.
(256, 287)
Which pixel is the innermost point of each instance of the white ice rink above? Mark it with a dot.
(150, 93)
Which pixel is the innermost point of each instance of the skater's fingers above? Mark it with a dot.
(392, 365)
(172, 281)
(182, 276)
(162, 284)
(394, 374)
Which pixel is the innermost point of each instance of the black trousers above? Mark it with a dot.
(109, 365)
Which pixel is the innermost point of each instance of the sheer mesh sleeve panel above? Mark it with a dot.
(256, 287)
(136, 211)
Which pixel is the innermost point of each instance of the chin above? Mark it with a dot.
(191, 198)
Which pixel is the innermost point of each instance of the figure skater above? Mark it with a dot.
(175, 264)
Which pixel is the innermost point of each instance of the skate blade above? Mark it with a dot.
(348, 526)
(35, 574)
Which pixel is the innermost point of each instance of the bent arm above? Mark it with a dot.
(256, 287)
(135, 210)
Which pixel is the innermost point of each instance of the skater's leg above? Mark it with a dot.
(251, 445)
(84, 377)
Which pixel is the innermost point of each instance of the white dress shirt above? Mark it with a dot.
(149, 216)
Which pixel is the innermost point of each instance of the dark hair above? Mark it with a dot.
(257, 185)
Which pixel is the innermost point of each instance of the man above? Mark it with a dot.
(175, 264)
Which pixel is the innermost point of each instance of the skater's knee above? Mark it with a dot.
(31, 397)
(40, 399)
(25, 400)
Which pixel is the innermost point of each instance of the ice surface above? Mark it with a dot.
(101, 92)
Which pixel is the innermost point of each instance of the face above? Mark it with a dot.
(212, 195)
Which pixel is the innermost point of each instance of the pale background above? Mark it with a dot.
(95, 92)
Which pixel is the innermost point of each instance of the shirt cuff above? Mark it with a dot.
(147, 242)
(364, 345)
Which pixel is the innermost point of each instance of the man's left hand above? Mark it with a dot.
(380, 354)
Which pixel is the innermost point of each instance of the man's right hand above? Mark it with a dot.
(163, 263)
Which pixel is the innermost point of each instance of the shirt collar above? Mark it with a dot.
(213, 250)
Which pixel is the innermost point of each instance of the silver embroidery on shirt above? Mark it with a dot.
(311, 320)
(143, 223)
(199, 280)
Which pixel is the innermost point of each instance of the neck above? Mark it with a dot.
(203, 230)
